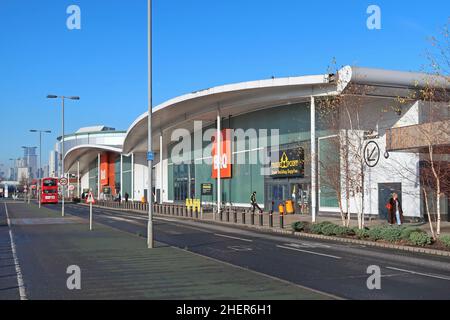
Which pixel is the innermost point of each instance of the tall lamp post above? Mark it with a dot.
(40, 161)
(62, 142)
(150, 242)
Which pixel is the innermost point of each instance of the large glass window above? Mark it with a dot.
(184, 182)
(127, 172)
(329, 172)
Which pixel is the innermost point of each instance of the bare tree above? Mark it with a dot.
(341, 115)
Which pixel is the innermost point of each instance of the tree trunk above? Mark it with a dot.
(427, 207)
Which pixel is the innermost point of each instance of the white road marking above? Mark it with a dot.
(311, 252)
(307, 245)
(231, 237)
(420, 274)
(20, 283)
(240, 248)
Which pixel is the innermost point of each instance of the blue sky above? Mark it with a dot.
(197, 44)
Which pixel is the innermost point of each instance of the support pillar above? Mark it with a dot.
(132, 177)
(218, 161)
(313, 161)
(161, 167)
(78, 180)
(99, 173)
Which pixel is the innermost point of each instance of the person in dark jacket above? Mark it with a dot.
(395, 211)
(254, 203)
(126, 196)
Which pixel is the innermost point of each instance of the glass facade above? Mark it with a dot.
(93, 177)
(293, 125)
(329, 166)
(127, 173)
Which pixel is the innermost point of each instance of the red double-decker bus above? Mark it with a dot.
(49, 191)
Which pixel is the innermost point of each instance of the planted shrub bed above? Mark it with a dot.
(405, 235)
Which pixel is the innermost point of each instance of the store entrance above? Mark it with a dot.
(279, 191)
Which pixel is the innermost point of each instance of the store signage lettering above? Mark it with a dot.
(207, 189)
(291, 164)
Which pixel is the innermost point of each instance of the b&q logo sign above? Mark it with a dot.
(222, 160)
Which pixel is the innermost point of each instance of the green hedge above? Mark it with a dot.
(391, 233)
(445, 240)
(375, 233)
(317, 227)
(299, 226)
(330, 229)
(419, 239)
(406, 232)
(361, 233)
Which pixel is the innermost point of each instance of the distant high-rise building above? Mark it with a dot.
(30, 157)
(53, 164)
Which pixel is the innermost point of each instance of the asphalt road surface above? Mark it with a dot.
(337, 269)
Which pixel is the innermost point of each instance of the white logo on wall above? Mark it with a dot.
(74, 20)
(103, 174)
(374, 20)
(74, 281)
(223, 161)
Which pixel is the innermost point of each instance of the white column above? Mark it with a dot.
(218, 159)
(121, 177)
(313, 161)
(132, 177)
(78, 179)
(161, 184)
(99, 176)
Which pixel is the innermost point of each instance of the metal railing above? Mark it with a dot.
(230, 215)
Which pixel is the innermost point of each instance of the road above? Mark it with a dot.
(337, 269)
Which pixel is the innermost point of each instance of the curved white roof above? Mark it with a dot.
(232, 99)
(85, 154)
(246, 97)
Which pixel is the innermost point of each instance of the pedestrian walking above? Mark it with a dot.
(254, 203)
(126, 196)
(395, 211)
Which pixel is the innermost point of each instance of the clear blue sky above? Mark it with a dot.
(197, 44)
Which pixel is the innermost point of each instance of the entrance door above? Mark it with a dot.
(385, 191)
(276, 192)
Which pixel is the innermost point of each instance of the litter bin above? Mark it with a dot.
(290, 207)
(281, 209)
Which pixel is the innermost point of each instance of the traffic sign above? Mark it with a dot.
(71, 187)
(90, 198)
(371, 154)
(150, 156)
(63, 181)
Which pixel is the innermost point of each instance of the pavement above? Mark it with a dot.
(115, 263)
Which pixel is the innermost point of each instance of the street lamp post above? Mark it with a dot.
(40, 161)
(62, 142)
(150, 242)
